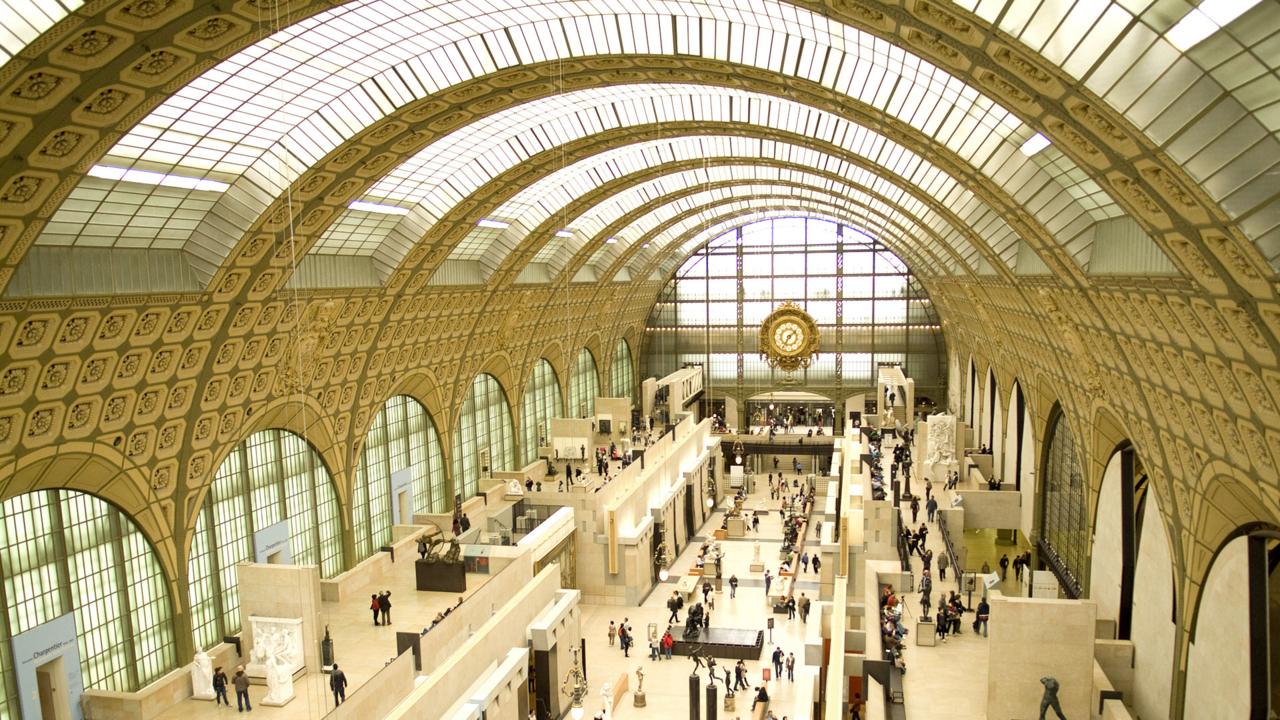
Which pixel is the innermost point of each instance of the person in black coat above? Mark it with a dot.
(338, 683)
(384, 604)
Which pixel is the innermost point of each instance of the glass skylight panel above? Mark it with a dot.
(331, 75)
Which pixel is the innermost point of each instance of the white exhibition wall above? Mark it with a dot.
(1217, 673)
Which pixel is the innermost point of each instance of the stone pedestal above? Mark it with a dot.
(757, 567)
(695, 697)
(730, 703)
(441, 577)
(926, 633)
(637, 699)
(1031, 639)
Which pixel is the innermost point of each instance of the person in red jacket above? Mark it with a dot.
(667, 643)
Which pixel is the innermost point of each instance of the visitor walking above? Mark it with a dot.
(791, 667)
(915, 509)
(1004, 567)
(816, 563)
(804, 561)
(930, 508)
(376, 607)
(338, 683)
(943, 562)
(613, 632)
(984, 614)
(777, 662)
(733, 586)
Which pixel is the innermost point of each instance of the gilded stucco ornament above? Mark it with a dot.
(789, 338)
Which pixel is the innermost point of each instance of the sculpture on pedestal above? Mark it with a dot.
(755, 552)
(637, 698)
(276, 655)
(202, 677)
(693, 622)
(279, 682)
(942, 439)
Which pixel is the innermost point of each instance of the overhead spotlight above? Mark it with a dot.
(494, 224)
(611, 241)
(564, 233)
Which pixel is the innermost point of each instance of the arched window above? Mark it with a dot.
(1065, 526)
(63, 552)
(541, 402)
(484, 440)
(871, 309)
(402, 436)
(584, 387)
(272, 476)
(622, 372)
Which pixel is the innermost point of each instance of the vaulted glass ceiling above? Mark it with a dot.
(591, 230)
(260, 118)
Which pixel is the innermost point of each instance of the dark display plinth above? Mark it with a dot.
(723, 643)
(441, 577)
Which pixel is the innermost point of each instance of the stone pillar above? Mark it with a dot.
(712, 706)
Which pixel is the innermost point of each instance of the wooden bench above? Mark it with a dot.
(761, 709)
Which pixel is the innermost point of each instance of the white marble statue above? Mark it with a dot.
(755, 552)
(514, 487)
(202, 677)
(942, 439)
(279, 682)
(275, 639)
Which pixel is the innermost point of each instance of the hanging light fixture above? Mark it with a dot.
(738, 449)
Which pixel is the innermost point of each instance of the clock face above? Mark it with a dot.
(788, 337)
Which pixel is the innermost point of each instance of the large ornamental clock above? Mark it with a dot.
(788, 338)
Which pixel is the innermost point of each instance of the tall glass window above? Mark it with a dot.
(272, 476)
(63, 552)
(402, 436)
(869, 307)
(622, 372)
(541, 402)
(484, 437)
(584, 386)
(1065, 525)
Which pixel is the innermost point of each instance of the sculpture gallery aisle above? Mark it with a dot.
(666, 681)
(361, 649)
(948, 680)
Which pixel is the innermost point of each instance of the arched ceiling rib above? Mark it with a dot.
(545, 199)
(645, 229)
(679, 215)
(592, 222)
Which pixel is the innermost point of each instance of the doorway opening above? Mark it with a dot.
(51, 681)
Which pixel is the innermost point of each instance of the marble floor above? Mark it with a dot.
(666, 681)
(360, 647)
